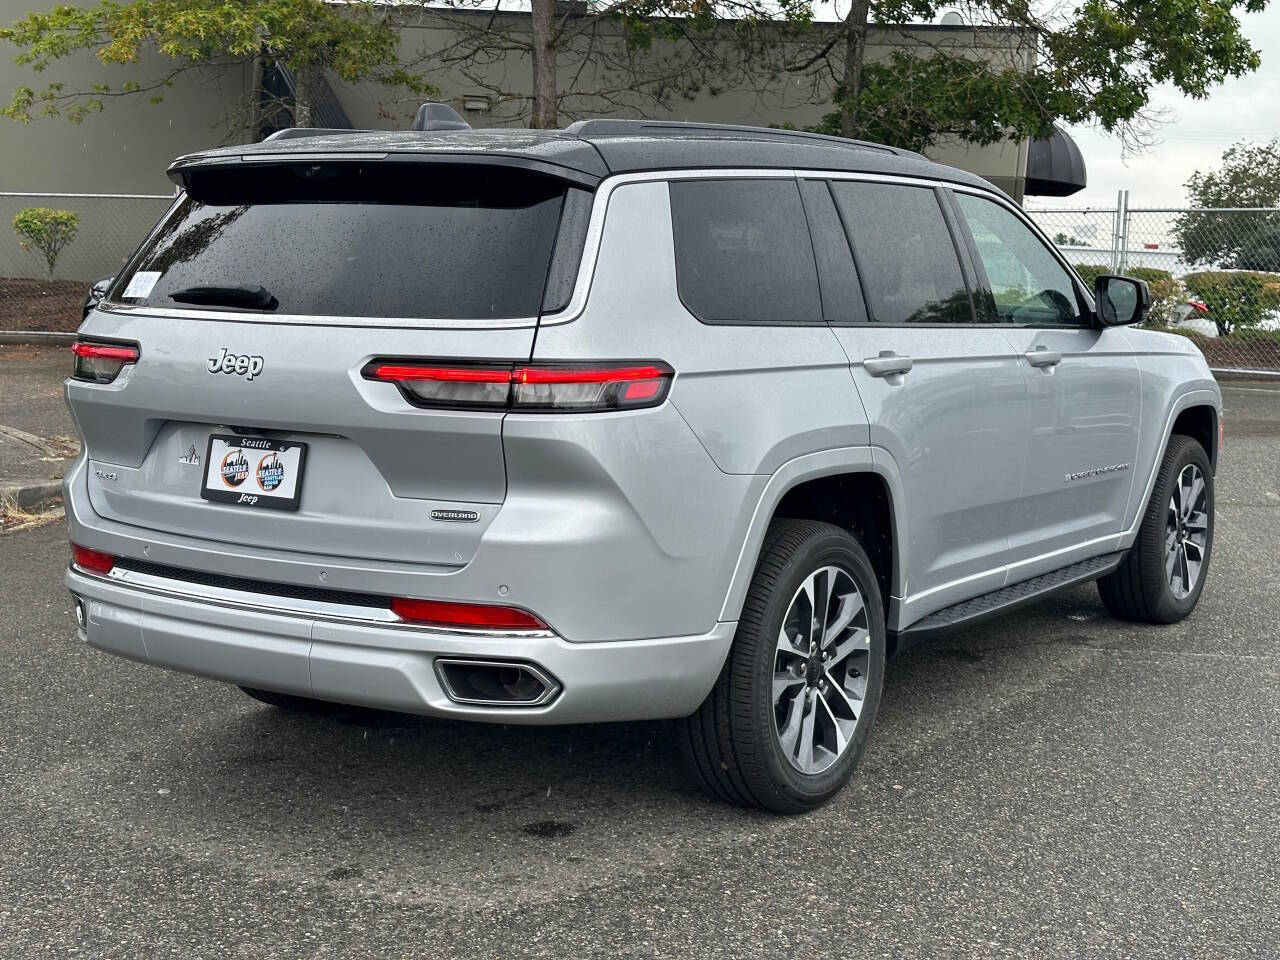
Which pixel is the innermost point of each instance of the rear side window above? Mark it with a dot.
(906, 258)
(356, 240)
(743, 253)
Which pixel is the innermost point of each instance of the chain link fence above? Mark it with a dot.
(1214, 273)
(48, 261)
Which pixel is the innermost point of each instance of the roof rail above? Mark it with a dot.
(293, 133)
(595, 129)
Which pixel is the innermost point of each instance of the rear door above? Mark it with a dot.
(256, 306)
(1083, 392)
(943, 393)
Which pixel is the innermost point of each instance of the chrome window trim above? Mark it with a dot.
(328, 611)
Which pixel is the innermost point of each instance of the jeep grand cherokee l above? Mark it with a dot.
(617, 422)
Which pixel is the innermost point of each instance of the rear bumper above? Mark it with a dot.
(255, 641)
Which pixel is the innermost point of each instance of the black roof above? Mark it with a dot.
(589, 150)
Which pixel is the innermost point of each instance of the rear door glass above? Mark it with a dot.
(743, 253)
(359, 240)
(907, 259)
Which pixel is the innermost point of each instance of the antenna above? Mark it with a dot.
(952, 18)
(439, 116)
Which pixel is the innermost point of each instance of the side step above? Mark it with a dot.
(1005, 599)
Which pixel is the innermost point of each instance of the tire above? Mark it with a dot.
(746, 748)
(292, 702)
(1150, 586)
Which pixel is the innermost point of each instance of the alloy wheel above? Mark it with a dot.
(820, 670)
(1186, 532)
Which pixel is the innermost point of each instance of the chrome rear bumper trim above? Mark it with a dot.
(329, 611)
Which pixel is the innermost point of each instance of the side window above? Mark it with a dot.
(1027, 282)
(906, 257)
(743, 253)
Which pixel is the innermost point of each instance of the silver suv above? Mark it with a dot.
(618, 422)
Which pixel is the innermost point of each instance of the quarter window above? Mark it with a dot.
(743, 253)
(1027, 283)
(907, 259)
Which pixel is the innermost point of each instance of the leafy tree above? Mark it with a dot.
(1249, 176)
(356, 40)
(46, 232)
(628, 56)
(1236, 299)
(1091, 62)
(1063, 240)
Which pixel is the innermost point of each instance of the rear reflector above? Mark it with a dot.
(475, 616)
(92, 560)
(544, 387)
(101, 362)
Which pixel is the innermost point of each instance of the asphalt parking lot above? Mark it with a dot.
(1053, 785)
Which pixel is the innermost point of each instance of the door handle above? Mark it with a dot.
(887, 364)
(1040, 357)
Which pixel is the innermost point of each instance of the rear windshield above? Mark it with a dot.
(355, 240)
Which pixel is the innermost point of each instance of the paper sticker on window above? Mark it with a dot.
(140, 284)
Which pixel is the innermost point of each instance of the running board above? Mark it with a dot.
(1006, 599)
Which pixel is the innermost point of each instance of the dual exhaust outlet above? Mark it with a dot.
(495, 683)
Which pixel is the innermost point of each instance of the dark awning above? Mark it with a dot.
(1055, 167)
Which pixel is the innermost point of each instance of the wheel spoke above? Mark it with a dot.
(1170, 564)
(856, 640)
(790, 731)
(840, 733)
(852, 704)
(850, 607)
(1197, 488)
(784, 680)
(1198, 521)
(787, 646)
(1196, 553)
(805, 755)
(1183, 572)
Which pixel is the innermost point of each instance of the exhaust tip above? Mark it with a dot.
(495, 683)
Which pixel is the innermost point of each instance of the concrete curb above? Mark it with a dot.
(27, 495)
(36, 338)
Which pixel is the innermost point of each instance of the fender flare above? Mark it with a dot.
(814, 466)
(1199, 397)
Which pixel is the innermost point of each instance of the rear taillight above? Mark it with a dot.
(101, 362)
(472, 616)
(543, 386)
(92, 560)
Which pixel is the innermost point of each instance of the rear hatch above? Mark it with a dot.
(256, 305)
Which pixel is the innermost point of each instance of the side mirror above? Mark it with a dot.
(1121, 300)
(95, 295)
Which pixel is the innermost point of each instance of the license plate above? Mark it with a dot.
(254, 472)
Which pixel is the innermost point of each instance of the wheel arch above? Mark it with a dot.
(1194, 410)
(857, 488)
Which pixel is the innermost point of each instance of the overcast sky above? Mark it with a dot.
(1198, 132)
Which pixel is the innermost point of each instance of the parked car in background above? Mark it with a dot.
(625, 421)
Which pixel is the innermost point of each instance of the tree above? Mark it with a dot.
(46, 232)
(1064, 240)
(1091, 62)
(1249, 176)
(356, 40)
(628, 55)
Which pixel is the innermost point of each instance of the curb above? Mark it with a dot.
(35, 337)
(27, 496)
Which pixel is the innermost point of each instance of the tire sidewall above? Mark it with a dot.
(837, 549)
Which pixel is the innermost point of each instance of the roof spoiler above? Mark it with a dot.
(439, 116)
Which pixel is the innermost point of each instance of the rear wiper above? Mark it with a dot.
(230, 295)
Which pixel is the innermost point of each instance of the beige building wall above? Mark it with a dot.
(126, 148)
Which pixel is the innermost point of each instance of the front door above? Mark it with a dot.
(1083, 393)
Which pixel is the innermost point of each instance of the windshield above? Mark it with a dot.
(358, 240)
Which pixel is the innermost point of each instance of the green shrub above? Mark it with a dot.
(1090, 272)
(1236, 299)
(46, 231)
(1167, 291)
